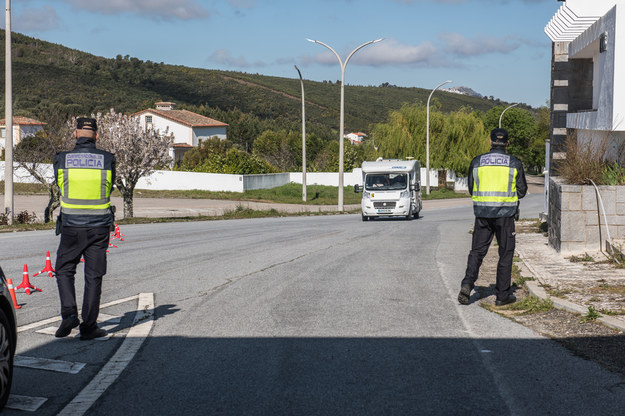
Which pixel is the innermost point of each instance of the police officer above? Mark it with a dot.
(496, 182)
(85, 177)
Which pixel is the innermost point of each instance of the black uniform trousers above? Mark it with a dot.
(90, 243)
(483, 232)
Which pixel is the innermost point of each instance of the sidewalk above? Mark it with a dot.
(573, 286)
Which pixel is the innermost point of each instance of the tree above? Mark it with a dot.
(455, 138)
(280, 148)
(34, 152)
(525, 142)
(219, 156)
(138, 151)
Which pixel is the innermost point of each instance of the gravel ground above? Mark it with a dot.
(584, 337)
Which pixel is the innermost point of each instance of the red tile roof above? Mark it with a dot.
(24, 121)
(188, 118)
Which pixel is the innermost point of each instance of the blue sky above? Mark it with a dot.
(496, 47)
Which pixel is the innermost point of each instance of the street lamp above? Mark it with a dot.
(506, 109)
(342, 118)
(303, 138)
(427, 139)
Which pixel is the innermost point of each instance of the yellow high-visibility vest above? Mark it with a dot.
(494, 182)
(85, 190)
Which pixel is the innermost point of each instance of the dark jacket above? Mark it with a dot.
(521, 185)
(86, 145)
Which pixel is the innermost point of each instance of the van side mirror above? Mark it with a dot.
(357, 188)
(415, 187)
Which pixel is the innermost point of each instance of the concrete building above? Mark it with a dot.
(587, 105)
(587, 95)
(189, 128)
(22, 127)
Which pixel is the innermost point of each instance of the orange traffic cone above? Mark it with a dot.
(118, 234)
(47, 268)
(12, 292)
(26, 283)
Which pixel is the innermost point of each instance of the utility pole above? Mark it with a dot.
(8, 111)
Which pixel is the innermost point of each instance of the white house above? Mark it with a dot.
(587, 88)
(189, 128)
(355, 138)
(22, 127)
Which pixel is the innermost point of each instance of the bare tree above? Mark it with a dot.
(35, 153)
(138, 151)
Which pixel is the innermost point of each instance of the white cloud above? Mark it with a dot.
(460, 45)
(224, 57)
(389, 52)
(159, 9)
(35, 20)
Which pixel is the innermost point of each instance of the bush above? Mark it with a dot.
(584, 161)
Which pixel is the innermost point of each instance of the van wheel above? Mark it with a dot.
(365, 218)
(416, 215)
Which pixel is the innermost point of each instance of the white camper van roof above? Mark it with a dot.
(389, 165)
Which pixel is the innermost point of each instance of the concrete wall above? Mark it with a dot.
(573, 219)
(174, 180)
(203, 133)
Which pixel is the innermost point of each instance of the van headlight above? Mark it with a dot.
(405, 194)
(366, 194)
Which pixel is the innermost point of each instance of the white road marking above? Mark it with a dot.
(25, 403)
(48, 364)
(58, 318)
(107, 322)
(142, 325)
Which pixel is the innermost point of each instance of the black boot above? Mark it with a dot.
(66, 326)
(465, 294)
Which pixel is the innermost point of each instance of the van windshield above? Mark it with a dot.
(386, 181)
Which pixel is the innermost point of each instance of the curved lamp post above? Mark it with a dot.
(427, 139)
(342, 118)
(506, 109)
(303, 138)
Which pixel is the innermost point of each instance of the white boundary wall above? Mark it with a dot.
(174, 180)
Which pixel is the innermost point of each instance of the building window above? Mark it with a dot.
(148, 119)
(4, 133)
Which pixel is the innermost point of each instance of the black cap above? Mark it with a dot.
(86, 123)
(499, 135)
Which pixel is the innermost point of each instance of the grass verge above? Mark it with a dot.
(237, 213)
(286, 194)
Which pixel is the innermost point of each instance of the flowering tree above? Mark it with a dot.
(138, 151)
(35, 153)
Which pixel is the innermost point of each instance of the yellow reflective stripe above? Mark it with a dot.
(79, 211)
(84, 201)
(495, 194)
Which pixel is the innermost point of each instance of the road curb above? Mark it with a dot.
(536, 288)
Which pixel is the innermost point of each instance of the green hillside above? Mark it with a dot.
(48, 77)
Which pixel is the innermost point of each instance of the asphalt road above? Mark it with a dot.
(306, 315)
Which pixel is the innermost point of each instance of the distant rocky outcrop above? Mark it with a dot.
(463, 91)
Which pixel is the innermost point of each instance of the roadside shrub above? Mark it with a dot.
(584, 160)
(26, 217)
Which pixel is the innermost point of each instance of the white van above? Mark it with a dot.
(391, 187)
